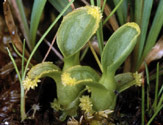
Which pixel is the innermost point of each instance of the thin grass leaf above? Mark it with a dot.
(148, 85)
(142, 105)
(15, 66)
(154, 31)
(92, 2)
(44, 35)
(156, 89)
(60, 5)
(103, 5)
(23, 58)
(22, 100)
(144, 26)
(37, 10)
(100, 38)
(18, 53)
(161, 91)
(160, 103)
(138, 11)
(98, 3)
(121, 11)
(154, 115)
(113, 11)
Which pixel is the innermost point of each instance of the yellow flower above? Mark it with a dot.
(86, 104)
(95, 12)
(30, 84)
(138, 78)
(67, 80)
(55, 105)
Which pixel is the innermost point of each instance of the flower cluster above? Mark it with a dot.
(30, 84)
(138, 78)
(86, 104)
(95, 12)
(68, 80)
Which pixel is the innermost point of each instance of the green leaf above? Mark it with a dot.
(60, 5)
(83, 73)
(119, 46)
(124, 81)
(77, 28)
(41, 69)
(35, 19)
(68, 89)
(101, 97)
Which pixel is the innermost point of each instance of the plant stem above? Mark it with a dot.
(22, 103)
(156, 88)
(148, 85)
(22, 98)
(92, 2)
(142, 106)
(95, 56)
(151, 119)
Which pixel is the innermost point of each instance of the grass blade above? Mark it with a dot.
(115, 9)
(142, 105)
(23, 58)
(121, 11)
(148, 85)
(138, 11)
(144, 26)
(156, 88)
(22, 100)
(37, 10)
(154, 115)
(92, 2)
(154, 31)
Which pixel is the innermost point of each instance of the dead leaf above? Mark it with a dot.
(24, 29)
(12, 28)
(154, 54)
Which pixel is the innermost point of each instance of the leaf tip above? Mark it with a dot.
(134, 25)
(95, 12)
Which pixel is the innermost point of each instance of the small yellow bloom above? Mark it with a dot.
(86, 104)
(30, 84)
(55, 105)
(67, 80)
(95, 12)
(138, 78)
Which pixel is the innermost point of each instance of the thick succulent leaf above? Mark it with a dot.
(83, 72)
(77, 28)
(124, 81)
(68, 89)
(40, 70)
(67, 94)
(71, 108)
(119, 46)
(101, 97)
